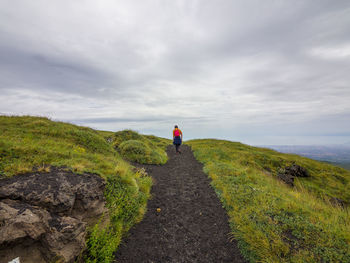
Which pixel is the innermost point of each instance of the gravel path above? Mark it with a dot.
(191, 226)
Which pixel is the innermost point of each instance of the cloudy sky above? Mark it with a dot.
(259, 72)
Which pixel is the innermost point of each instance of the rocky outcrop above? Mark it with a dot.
(338, 202)
(43, 216)
(288, 174)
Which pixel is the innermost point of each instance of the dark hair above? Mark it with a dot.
(176, 126)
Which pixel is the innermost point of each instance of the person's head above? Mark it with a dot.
(176, 127)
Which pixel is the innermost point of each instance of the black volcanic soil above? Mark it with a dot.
(191, 226)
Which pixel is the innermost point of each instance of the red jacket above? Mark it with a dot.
(177, 132)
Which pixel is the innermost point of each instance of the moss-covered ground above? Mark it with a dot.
(272, 221)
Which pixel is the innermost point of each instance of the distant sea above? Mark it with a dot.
(335, 154)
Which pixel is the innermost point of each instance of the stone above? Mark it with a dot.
(337, 202)
(288, 174)
(297, 171)
(44, 216)
(286, 178)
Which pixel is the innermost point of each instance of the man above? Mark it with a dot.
(177, 138)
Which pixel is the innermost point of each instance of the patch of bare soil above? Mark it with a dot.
(185, 221)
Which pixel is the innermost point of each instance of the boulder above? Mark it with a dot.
(296, 171)
(337, 202)
(286, 177)
(43, 216)
(288, 174)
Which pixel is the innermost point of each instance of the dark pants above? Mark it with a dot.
(177, 142)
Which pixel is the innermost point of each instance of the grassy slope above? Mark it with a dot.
(273, 222)
(146, 149)
(34, 144)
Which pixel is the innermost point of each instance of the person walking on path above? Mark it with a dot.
(177, 138)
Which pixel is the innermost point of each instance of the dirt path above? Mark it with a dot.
(192, 226)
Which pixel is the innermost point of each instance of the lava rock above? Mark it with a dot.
(337, 202)
(43, 216)
(296, 171)
(288, 174)
(285, 177)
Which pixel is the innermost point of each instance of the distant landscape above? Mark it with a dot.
(335, 154)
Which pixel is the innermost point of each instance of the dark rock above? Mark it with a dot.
(297, 171)
(288, 174)
(285, 177)
(19, 220)
(337, 202)
(43, 216)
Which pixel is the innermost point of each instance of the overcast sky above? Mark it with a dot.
(259, 72)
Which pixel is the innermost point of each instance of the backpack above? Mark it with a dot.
(177, 133)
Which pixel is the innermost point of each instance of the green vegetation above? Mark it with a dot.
(35, 144)
(126, 197)
(146, 149)
(272, 221)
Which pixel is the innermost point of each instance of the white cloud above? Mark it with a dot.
(337, 52)
(219, 69)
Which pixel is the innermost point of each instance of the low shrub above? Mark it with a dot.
(125, 135)
(144, 149)
(141, 152)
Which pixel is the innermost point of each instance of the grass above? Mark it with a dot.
(35, 144)
(271, 221)
(145, 149)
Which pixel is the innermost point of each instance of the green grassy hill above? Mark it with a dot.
(272, 221)
(35, 144)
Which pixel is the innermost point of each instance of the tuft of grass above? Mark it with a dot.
(35, 144)
(125, 135)
(126, 197)
(272, 221)
(145, 149)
